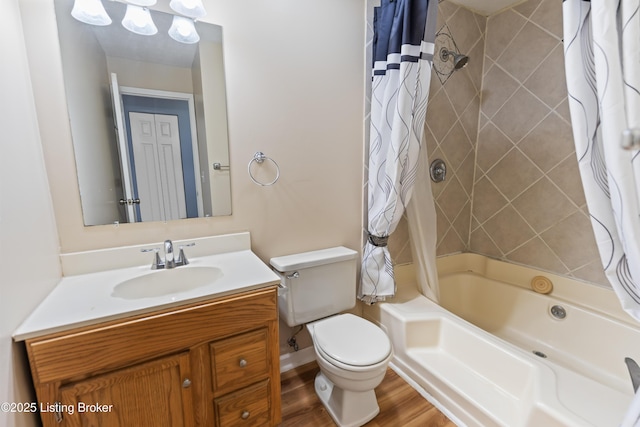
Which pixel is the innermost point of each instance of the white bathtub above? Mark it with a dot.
(474, 354)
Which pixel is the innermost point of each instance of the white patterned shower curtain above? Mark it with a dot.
(403, 45)
(602, 62)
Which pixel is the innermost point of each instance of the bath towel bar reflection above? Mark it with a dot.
(259, 158)
(220, 167)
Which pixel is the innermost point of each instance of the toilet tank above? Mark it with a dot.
(316, 284)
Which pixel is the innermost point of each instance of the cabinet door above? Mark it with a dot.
(153, 394)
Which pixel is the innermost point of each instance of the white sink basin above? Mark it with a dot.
(165, 282)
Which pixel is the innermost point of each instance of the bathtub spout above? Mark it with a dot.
(634, 372)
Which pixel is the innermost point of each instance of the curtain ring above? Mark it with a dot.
(259, 158)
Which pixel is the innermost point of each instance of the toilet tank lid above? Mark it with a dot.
(312, 258)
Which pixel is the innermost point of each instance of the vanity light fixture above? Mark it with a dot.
(190, 8)
(183, 30)
(138, 20)
(90, 12)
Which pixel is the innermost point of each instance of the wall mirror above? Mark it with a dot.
(148, 118)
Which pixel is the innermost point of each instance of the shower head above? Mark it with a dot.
(459, 60)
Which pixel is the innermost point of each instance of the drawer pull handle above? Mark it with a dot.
(245, 415)
(243, 363)
(186, 383)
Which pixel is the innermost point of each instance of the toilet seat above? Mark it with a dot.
(351, 340)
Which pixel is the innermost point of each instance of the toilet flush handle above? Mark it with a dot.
(293, 275)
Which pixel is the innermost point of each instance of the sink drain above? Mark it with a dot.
(539, 354)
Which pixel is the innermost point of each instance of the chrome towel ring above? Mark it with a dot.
(259, 158)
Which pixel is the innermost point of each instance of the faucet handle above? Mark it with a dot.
(157, 262)
(182, 258)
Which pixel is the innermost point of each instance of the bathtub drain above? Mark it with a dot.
(558, 312)
(539, 354)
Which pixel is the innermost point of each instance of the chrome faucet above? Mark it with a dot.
(169, 260)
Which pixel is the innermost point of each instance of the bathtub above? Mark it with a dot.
(493, 354)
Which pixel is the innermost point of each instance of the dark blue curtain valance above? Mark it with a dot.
(398, 23)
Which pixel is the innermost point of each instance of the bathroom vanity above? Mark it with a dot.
(203, 357)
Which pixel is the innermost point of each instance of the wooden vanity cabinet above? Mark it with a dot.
(212, 363)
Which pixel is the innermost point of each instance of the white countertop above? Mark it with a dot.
(86, 299)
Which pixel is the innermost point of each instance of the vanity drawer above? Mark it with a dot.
(239, 361)
(247, 407)
(109, 345)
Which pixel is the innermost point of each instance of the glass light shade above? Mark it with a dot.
(190, 8)
(142, 2)
(138, 20)
(182, 30)
(90, 12)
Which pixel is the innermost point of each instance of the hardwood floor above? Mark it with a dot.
(400, 404)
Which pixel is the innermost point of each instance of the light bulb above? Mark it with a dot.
(183, 30)
(138, 20)
(90, 12)
(190, 8)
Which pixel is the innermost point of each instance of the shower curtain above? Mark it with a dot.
(602, 63)
(602, 52)
(403, 45)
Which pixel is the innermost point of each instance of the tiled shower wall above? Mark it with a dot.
(515, 193)
(450, 133)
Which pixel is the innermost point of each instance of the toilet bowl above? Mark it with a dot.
(352, 352)
(353, 355)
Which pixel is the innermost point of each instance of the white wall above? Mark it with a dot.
(28, 239)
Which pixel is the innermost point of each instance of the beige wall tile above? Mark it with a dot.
(442, 224)
(451, 244)
(440, 115)
(513, 174)
(456, 146)
(497, 88)
(464, 29)
(572, 240)
(566, 175)
(536, 253)
(469, 118)
(563, 110)
(547, 82)
(527, 8)
(543, 205)
(446, 9)
(501, 29)
(460, 90)
(527, 50)
(549, 16)
(462, 225)
(453, 199)
(466, 172)
(475, 65)
(492, 145)
(481, 243)
(549, 143)
(521, 113)
(508, 230)
(487, 200)
(592, 272)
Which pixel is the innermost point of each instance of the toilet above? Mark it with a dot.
(352, 352)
